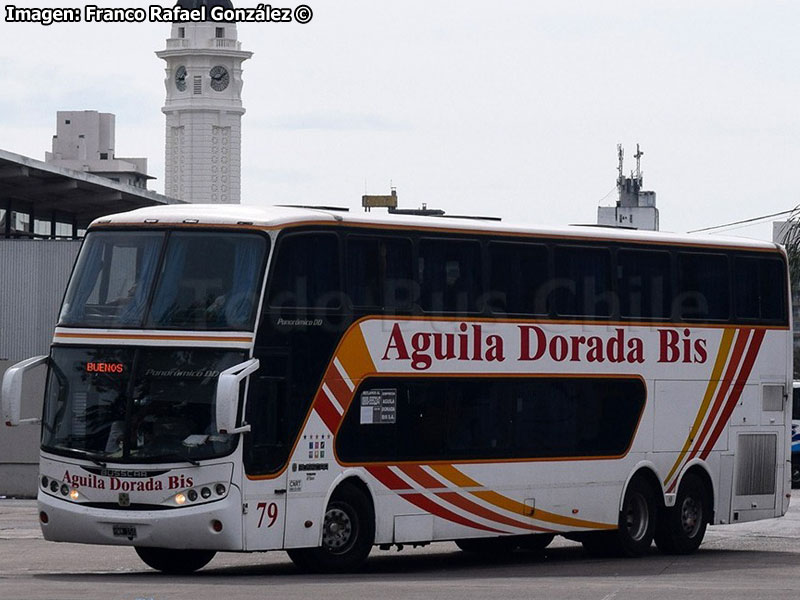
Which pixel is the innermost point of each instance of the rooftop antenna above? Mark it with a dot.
(621, 176)
(638, 156)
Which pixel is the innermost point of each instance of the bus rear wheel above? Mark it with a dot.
(175, 562)
(636, 526)
(637, 519)
(682, 527)
(348, 533)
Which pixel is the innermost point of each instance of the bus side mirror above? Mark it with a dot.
(11, 391)
(227, 399)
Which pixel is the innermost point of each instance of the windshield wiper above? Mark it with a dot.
(88, 455)
(180, 457)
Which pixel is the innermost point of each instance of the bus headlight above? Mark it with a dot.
(180, 499)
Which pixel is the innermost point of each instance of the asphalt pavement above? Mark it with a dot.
(745, 561)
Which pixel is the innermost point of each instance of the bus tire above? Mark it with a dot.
(637, 519)
(348, 534)
(494, 546)
(682, 527)
(535, 542)
(174, 562)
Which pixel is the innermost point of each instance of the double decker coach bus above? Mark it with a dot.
(243, 379)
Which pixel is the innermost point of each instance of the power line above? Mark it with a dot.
(745, 221)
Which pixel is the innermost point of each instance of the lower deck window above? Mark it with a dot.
(482, 418)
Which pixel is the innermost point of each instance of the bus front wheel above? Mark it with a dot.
(681, 528)
(348, 533)
(175, 562)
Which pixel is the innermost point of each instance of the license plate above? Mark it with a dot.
(126, 531)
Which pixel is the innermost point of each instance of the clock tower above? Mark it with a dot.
(204, 109)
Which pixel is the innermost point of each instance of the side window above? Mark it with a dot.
(703, 286)
(449, 275)
(518, 278)
(379, 272)
(484, 418)
(758, 289)
(306, 272)
(644, 284)
(582, 283)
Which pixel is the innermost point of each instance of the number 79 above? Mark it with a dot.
(270, 510)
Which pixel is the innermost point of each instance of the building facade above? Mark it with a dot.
(204, 110)
(85, 141)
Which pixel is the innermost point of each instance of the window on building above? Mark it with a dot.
(181, 32)
(198, 84)
(41, 228)
(220, 32)
(67, 121)
(20, 222)
(104, 156)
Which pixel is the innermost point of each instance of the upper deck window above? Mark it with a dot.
(200, 280)
(704, 292)
(306, 272)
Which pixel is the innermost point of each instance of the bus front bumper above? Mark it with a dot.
(190, 527)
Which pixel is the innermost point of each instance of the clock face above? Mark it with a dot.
(219, 78)
(180, 78)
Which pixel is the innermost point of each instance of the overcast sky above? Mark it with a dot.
(507, 108)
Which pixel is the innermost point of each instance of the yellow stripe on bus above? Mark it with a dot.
(716, 373)
(457, 477)
(354, 356)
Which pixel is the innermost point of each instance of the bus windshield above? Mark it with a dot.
(166, 280)
(129, 404)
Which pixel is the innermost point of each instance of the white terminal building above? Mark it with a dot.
(204, 109)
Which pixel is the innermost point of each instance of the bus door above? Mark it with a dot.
(758, 434)
(265, 449)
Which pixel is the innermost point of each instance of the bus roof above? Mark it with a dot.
(277, 217)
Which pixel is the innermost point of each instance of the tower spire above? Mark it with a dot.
(203, 109)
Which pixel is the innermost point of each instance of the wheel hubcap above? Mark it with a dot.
(691, 516)
(637, 517)
(337, 532)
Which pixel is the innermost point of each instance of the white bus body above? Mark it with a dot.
(421, 426)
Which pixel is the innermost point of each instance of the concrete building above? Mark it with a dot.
(85, 141)
(204, 109)
(44, 210)
(635, 208)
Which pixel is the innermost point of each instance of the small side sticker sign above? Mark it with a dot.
(378, 406)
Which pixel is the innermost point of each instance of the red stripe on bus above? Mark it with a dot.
(739, 345)
(393, 482)
(388, 478)
(744, 374)
(418, 474)
(329, 415)
(338, 387)
(430, 506)
(730, 373)
(478, 510)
